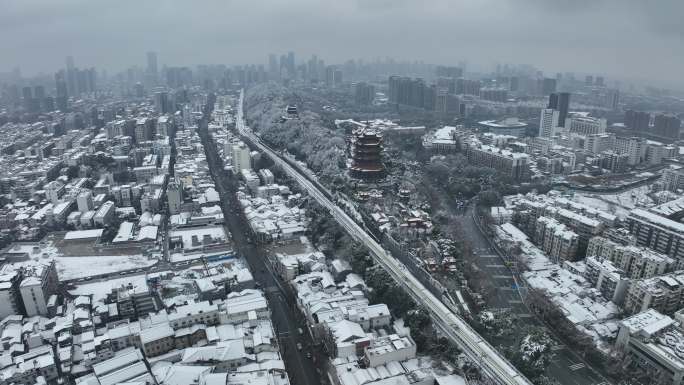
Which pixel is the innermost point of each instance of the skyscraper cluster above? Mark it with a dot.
(663, 125)
(313, 70)
(73, 82)
(441, 97)
(79, 81)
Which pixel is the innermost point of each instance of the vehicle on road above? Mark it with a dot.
(300, 331)
(299, 346)
(308, 354)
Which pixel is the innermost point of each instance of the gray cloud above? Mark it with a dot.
(625, 38)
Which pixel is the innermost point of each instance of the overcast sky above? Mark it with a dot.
(619, 38)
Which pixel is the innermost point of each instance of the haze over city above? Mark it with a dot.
(363, 192)
(628, 39)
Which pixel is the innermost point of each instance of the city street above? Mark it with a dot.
(286, 318)
(565, 366)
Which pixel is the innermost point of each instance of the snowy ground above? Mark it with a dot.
(81, 267)
(101, 288)
(619, 204)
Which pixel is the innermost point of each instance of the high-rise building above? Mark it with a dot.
(139, 90)
(39, 92)
(145, 129)
(291, 62)
(273, 66)
(174, 194)
(548, 122)
(364, 93)
(241, 157)
(152, 63)
(333, 77)
(514, 84)
(38, 285)
(495, 94)
(637, 120)
(10, 294)
(62, 91)
(612, 99)
(27, 98)
(151, 75)
(658, 233)
(634, 147)
(161, 102)
(667, 126)
(468, 86)
(412, 92)
(548, 86)
(71, 75)
(560, 102)
(166, 126)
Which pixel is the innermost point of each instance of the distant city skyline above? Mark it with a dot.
(622, 39)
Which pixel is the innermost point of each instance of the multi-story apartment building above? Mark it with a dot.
(673, 179)
(610, 281)
(662, 293)
(653, 342)
(634, 147)
(597, 143)
(104, 215)
(39, 283)
(513, 164)
(585, 124)
(637, 262)
(10, 295)
(548, 122)
(658, 233)
(557, 240)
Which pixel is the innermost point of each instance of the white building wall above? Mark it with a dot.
(35, 302)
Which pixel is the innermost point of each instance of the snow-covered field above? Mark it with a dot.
(81, 267)
(619, 204)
